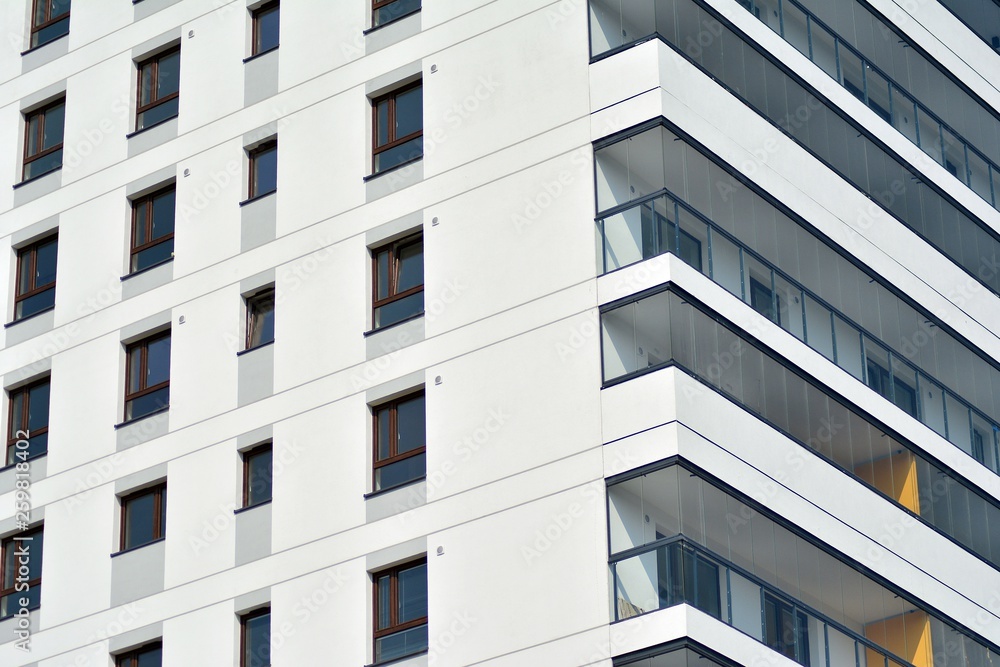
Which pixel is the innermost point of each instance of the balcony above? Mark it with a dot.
(678, 539)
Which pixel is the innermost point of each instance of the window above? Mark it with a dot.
(28, 422)
(257, 475)
(264, 169)
(398, 281)
(265, 28)
(260, 319)
(49, 21)
(688, 577)
(21, 551)
(255, 638)
(159, 86)
(904, 396)
(400, 442)
(400, 611)
(147, 374)
(144, 517)
(786, 629)
(660, 235)
(150, 655)
(763, 299)
(43, 139)
(36, 278)
(152, 229)
(384, 11)
(398, 122)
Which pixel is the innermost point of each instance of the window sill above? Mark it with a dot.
(372, 332)
(14, 615)
(136, 548)
(10, 466)
(399, 166)
(241, 510)
(37, 177)
(387, 23)
(262, 53)
(139, 419)
(397, 660)
(380, 492)
(29, 317)
(150, 127)
(258, 197)
(255, 347)
(145, 270)
(42, 46)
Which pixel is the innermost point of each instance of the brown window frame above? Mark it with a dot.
(154, 61)
(250, 615)
(394, 141)
(246, 456)
(394, 625)
(49, 20)
(144, 366)
(379, 4)
(12, 438)
(159, 500)
(131, 658)
(253, 154)
(147, 202)
(28, 159)
(252, 302)
(255, 33)
(32, 251)
(393, 406)
(7, 543)
(393, 249)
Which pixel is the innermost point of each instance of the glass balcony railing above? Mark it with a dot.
(677, 571)
(662, 223)
(815, 40)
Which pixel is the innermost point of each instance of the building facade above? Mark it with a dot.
(500, 332)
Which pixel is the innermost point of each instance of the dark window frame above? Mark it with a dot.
(144, 367)
(393, 248)
(12, 438)
(248, 616)
(393, 407)
(777, 612)
(394, 625)
(159, 493)
(146, 201)
(252, 302)
(45, 152)
(31, 251)
(253, 155)
(154, 62)
(131, 658)
(9, 588)
(392, 140)
(255, 16)
(246, 457)
(48, 21)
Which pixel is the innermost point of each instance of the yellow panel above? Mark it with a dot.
(908, 636)
(895, 476)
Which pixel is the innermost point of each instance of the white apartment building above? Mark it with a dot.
(500, 332)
